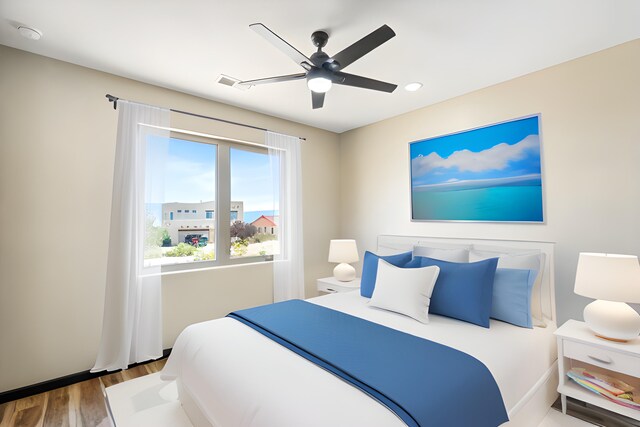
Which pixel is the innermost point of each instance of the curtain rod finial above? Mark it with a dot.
(113, 99)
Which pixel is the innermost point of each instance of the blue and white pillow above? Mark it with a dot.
(404, 290)
(370, 269)
(463, 291)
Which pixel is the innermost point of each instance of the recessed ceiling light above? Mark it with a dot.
(29, 33)
(412, 87)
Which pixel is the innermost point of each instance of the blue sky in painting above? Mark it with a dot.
(184, 171)
(510, 149)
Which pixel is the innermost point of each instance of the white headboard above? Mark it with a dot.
(392, 244)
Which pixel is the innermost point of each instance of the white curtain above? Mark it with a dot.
(288, 265)
(132, 320)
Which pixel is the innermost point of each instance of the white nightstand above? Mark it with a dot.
(578, 346)
(333, 285)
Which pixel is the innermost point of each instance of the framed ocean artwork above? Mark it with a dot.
(492, 173)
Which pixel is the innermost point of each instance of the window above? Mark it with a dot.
(256, 201)
(187, 174)
(179, 172)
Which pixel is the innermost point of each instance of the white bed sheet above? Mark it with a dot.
(237, 377)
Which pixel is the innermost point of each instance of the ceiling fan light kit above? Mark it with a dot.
(319, 84)
(319, 81)
(321, 70)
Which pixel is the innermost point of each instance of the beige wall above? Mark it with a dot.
(590, 128)
(57, 134)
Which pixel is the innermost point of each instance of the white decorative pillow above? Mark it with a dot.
(443, 254)
(404, 290)
(524, 260)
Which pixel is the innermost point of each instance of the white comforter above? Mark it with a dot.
(232, 376)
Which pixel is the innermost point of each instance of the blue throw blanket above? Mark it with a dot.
(423, 382)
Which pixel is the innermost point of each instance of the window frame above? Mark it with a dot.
(222, 245)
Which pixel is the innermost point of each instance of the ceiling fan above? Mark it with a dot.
(321, 69)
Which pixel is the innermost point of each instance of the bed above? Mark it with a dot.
(229, 374)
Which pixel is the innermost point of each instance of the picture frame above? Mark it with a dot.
(491, 173)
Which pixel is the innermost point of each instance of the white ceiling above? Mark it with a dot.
(452, 47)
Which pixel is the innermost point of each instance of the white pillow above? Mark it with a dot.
(404, 290)
(529, 260)
(444, 254)
(393, 248)
(444, 245)
(504, 250)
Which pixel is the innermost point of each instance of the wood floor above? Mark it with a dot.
(78, 405)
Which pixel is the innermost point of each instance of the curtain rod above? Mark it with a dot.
(115, 99)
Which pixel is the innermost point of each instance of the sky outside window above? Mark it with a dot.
(252, 183)
(178, 170)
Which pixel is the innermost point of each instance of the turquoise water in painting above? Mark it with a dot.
(500, 203)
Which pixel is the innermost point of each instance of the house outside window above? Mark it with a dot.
(265, 223)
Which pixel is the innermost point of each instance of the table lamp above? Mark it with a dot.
(343, 251)
(613, 280)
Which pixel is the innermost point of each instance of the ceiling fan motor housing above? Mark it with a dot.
(319, 58)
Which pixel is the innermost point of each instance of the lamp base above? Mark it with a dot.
(614, 321)
(344, 272)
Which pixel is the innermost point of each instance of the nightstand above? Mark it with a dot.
(579, 347)
(333, 285)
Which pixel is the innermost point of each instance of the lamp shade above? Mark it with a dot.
(608, 277)
(343, 250)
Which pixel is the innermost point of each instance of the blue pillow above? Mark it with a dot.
(463, 291)
(512, 296)
(370, 269)
(414, 263)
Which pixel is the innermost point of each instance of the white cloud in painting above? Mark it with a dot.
(497, 157)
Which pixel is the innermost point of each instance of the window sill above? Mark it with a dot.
(186, 268)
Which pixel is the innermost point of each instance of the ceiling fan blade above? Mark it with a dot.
(363, 82)
(363, 46)
(276, 79)
(317, 99)
(279, 43)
